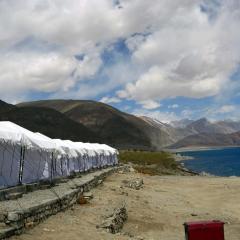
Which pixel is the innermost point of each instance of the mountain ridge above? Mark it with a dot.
(209, 140)
(124, 130)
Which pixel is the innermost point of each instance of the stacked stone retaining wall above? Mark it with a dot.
(21, 214)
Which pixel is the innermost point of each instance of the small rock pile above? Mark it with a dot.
(136, 184)
(115, 221)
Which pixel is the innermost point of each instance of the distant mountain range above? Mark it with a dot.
(93, 121)
(209, 140)
(206, 133)
(204, 126)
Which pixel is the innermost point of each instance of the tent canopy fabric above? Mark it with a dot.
(28, 138)
(8, 134)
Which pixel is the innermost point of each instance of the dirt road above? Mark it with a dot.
(155, 212)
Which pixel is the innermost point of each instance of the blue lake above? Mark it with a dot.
(220, 162)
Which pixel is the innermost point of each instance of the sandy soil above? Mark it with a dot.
(155, 212)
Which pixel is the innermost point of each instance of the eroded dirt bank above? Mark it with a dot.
(157, 211)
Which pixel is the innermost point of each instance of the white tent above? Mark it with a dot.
(10, 155)
(27, 157)
(36, 154)
(59, 164)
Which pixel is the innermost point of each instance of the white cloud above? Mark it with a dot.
(226, 109)
(176, 49)
(187, 114)
(174, 106)
(189, 55)
(44, 72)
(150, 104)
(110, 100)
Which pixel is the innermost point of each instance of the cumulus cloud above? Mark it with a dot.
(76, 28)
(110, 100)
(186, 113)
(176, 48)
(226, 109)
(173, 106)
(189, 55)
(150, 104)
(44, 72)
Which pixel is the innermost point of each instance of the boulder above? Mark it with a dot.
(134, 183)
(114, 222)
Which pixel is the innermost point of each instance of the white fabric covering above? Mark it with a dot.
(34, 156)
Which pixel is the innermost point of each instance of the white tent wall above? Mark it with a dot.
(10, 153)
(37, 159)
(27, 157)
(9, 164)
(36, 165)
(71, 155)
(62, 167)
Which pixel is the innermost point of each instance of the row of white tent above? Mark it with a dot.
(27, 157)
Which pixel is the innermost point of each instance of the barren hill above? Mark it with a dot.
(47, 121)
(111, 125)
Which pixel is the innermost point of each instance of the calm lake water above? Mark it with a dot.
(220, 162)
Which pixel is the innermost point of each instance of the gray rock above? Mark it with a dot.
(134, 184)
(14, 196)
(13, 216)
(88, 195)
(114, 222)
(194, 215)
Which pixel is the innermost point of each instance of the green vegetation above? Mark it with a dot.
(153, 163)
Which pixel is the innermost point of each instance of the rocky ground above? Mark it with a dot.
(157, 207)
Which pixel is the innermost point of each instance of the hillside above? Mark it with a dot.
(4, 107)
(173, 133)
(110, 125)
(205, 126)
(181, 123)
(126, 131)
(48, 122)
(209, 139)
(122, 129)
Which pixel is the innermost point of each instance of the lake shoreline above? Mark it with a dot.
(198, 148)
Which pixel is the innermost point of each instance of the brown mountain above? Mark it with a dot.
(47, 121)
(109, 124)
(124, 130)
(205, 126)
(209, 139)
(4, 107)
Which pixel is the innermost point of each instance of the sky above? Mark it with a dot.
(166, 59)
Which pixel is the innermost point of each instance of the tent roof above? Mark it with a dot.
(8, 134)
(29, 138)
(12, 132)
(70, 150)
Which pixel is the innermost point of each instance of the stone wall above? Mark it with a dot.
(18, 221)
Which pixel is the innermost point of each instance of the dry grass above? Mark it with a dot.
(152, 163)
